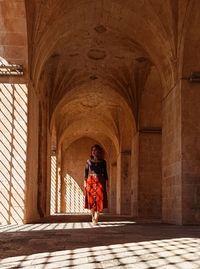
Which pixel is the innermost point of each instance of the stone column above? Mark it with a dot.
(48, 183)
(124, 183)
(134, 181)
(62, 195)
(118, 186)
(53, 184)
(112, 188)
(181, 151)
(171, 158)
(58, 187)
(62, 185)
(31, 212)
(150, 174)
(190, 152)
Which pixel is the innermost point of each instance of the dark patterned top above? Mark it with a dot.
(99, 168)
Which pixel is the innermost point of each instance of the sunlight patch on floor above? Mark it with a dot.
(60, 226)
(180, 253)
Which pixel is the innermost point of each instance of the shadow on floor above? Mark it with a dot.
(17, 240)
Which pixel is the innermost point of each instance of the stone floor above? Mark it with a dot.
(67, 242)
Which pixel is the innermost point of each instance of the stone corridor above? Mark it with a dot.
(121, 74)
(78, 73)
(116, 242)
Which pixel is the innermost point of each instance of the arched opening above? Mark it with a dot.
(94, 114)
(97, 79)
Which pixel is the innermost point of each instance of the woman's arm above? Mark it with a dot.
(86, 174)
(105, 171)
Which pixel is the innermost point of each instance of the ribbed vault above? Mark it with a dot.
(95, 111)
(118, 73)
(77, 41)
(89, 62)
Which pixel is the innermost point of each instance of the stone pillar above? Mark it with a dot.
(118, 185)
(58, 187)
(124, 183)
(112, 188)
(190, 153)
(62, 195)
(53, 183)
(134, 181)
(42, 160)
(31, 212)
(150, 174)
(62, 188)
(48, 183)
(181, 147)
(171, 158)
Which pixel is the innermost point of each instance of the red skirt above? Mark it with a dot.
(96, 195)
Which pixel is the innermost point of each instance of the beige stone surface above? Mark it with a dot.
(114, 72)
(150, 178)
(114, 243)
(13, 33)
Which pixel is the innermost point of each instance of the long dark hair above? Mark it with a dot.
(100, 149)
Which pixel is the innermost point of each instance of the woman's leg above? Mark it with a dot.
(96, 216)
(92, 212)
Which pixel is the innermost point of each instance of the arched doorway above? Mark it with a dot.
(90, 114)
(100, 65)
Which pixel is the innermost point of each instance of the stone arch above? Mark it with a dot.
(99, 113)
(130, 18)
(102, 96)
(56, 48)
(74, 154)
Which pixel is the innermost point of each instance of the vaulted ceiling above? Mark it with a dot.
(100, 45)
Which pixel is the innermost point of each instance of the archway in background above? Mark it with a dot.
(114, 54)
(96, 121)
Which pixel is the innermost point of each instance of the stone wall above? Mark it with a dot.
(13, 144)
(13, 113)
(125, 182)
(190, 120)
(190, 153)
(31, 212)
(171, 158)
(150, 149)
(13, 39)
(150, 191)
(135, 175)
(73, 165)
(100, 89)
(112, 199)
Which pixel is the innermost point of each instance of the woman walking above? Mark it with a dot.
(96, 183)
